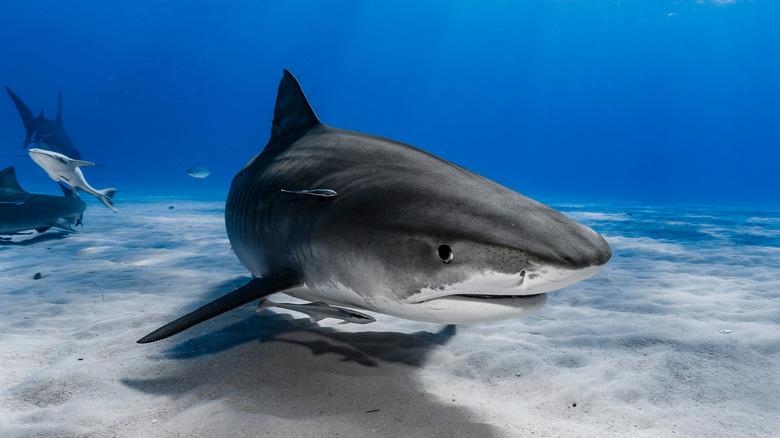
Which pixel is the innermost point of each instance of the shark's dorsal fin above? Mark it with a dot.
(8, 180)
(59, 111)
(293, 114)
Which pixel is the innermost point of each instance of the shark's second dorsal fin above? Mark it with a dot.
(59, 111)
(8, 180)
(292, 114)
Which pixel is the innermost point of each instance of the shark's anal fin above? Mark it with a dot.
(255, 289)
(322, 193)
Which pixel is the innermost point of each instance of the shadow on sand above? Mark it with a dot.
(289, 377)
(364, 348)
(32, 239)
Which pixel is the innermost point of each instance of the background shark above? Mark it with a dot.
(390, 228)
(22, 211)
(46, 133)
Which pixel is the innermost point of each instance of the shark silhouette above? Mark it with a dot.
(46, 133)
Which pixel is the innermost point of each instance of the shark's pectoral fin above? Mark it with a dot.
(322, 193)
(42, 229)
(255, 289)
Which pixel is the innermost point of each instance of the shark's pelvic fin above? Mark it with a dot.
(293, 115)
(257, 288)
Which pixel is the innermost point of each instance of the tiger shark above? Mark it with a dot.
(22, 211)
(342, 218)
(48, 134)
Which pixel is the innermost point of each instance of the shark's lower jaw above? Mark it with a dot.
(468, 308)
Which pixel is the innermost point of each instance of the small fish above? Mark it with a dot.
(323, 193)
(198, 172)
(319, 310)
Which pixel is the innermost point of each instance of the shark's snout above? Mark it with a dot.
(565, 244)
(586, 249)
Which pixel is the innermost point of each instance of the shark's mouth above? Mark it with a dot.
(488, 297)
(472, 308)
(481, 298)
(491, 296)
(492, 286)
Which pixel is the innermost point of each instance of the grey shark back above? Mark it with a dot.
(45, 133)
(369, 223)
(22, 211)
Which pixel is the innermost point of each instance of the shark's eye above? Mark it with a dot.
(445, 253)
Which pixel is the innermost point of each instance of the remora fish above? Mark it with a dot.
(318, 311)
(49, 133)
(22, 211)
(62, 168)
(403, 232)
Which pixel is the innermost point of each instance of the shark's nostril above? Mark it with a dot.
(522, 277)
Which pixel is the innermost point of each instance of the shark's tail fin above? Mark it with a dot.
(27, 116)
(106, 196)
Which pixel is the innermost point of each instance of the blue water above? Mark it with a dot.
(643, 100)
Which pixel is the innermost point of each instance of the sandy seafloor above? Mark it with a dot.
(678, 336)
